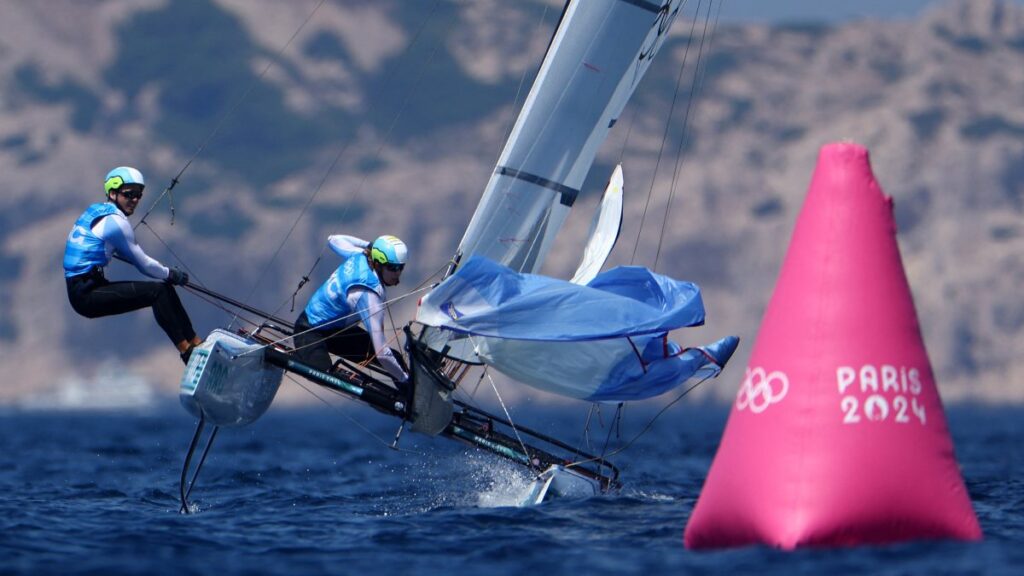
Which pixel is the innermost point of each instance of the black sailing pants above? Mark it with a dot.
(93, 296)
(352, 343)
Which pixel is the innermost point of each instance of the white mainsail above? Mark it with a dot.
(598, 55)
(495, 309)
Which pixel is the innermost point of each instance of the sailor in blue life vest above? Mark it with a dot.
(354, 293)
(103, 230)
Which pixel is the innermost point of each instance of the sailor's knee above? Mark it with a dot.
(84, 311)
(90, 314)
(165, 291)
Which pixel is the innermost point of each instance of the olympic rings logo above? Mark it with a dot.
(761, 389)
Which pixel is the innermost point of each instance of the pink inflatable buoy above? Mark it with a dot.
(837, 436)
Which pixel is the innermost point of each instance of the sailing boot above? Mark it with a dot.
(187, 353)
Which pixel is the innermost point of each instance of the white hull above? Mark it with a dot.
(560, 482)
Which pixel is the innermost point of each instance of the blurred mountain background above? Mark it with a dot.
(388, 117)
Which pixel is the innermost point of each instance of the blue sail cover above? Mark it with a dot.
(603, 341)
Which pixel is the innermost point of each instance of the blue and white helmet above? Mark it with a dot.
(120, 176)
(389, 250)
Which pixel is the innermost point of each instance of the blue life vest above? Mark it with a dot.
(331, 300)
(84, 250)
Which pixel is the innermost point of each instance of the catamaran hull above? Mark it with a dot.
(232, 379)
(560, 482)
(227, 381)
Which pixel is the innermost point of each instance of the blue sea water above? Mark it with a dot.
(317, 490)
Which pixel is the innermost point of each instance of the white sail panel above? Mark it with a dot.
(598, 55)
(604, 231)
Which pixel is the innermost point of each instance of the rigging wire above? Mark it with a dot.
(322, 326)
(480, 381)
(206, 141)
(646, 428)
(616, 419)
(421, 287)
(522, 80)
(664, 137)
(699, 73)
(629, 133)
(173, 253)
(585, 438)
(507, 415)
(347, 416)
(216, 304)
(632, 120)
(231, 111)
(394, 121)
(223, 120)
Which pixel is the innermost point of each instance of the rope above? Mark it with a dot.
(614, 424)
(357, 423)
(316, 192)
(223, 119)
(324, 325)
(233, 109)
(694, 94)
(508, 416)
(422, 286)
(646, 428)
(664, 137)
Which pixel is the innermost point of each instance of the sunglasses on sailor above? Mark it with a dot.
(394, 267)
(130, 193)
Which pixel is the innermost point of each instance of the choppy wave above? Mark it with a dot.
(305, 491)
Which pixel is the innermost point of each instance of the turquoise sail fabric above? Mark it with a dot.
(603, 341)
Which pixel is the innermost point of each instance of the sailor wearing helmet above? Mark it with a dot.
(103, 230)
(354, 293)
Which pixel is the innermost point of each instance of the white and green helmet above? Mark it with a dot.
(120, 176)
(389, 250)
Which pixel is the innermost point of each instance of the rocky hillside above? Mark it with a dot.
(387, 117)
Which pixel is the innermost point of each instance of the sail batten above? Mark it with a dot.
(645, 4)
(568, 195)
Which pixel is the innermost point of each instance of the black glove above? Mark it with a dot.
(177, 277)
